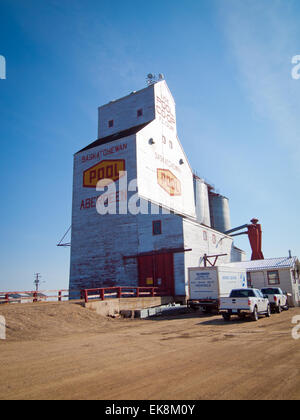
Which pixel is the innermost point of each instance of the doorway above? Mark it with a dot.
(157, 271)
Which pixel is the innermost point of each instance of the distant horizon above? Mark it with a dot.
(232, 69)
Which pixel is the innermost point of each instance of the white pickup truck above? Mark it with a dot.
(243, 302)
(278, 300)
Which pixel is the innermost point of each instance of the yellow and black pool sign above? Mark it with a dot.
(106, 169)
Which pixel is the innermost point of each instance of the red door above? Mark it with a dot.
(157, 271)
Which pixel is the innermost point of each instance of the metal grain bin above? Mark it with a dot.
(220, 212)
(202, 201)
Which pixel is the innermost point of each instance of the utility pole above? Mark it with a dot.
(37, 281)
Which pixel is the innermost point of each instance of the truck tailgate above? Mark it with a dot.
(234, 303)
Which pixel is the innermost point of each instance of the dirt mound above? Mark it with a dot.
(45, 321)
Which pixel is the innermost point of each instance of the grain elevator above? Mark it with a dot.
(140, 216)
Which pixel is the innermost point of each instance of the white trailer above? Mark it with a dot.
(207, 285)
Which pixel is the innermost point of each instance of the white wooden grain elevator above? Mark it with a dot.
(175, 218)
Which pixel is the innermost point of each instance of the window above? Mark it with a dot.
(273, 277)
(110, 123)
(242, 293)
(271, 291)
(139, 113)
(204, 235)
(214, 239)
(164, 140)
(249, 280)
(170, 144)
(156, 226)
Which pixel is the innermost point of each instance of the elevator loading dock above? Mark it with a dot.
(157, 271)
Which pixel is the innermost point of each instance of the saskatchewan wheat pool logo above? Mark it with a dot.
(106, 169)
(169, 182)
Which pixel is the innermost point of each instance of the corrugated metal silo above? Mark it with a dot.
(202, 201)
(220, 212)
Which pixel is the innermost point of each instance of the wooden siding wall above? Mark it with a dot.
(99, 242)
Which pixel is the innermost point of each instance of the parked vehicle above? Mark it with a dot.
(278, 299)
(245, 302)
(207, 285)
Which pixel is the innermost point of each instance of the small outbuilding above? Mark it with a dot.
(281, 272)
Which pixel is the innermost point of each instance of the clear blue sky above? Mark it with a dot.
(228, 65)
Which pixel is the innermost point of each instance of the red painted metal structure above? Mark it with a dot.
(86, 294)
(255, 238)
(122, 292)
(212, 264)
(254, 233)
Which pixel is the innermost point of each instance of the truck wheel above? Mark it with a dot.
(255, 315)
(226, 317)
(278, 308)
(268, 314)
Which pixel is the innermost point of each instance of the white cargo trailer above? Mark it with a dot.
(207, 285)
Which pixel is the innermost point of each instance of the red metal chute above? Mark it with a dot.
(255, 238)
(254, 233)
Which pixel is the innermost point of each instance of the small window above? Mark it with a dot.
(214, 239)
(170, 144)
(157, 227)
(139, 113)
(205, 236)
(164, 140)
(273, 277)
(110, 123)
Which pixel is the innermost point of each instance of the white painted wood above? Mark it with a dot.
(99, 243)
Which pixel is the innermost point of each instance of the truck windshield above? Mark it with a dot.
(270, 291)
(242, 293)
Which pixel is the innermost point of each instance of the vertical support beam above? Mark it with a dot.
(102, 297)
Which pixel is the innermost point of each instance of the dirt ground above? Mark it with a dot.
(63, 351)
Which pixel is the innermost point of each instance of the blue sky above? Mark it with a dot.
(228, 65)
